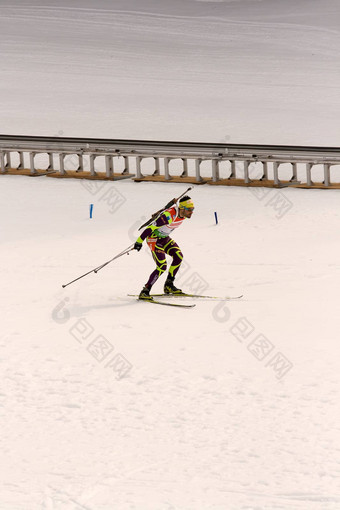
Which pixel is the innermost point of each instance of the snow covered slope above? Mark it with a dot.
(243, 71)
(109, 403)
(203, 411)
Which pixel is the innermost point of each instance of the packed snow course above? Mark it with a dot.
(111, 403)
(240, 71)
(200, 413)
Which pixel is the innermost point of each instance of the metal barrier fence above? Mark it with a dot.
(212, 163)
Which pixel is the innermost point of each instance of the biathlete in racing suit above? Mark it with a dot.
(157, 236)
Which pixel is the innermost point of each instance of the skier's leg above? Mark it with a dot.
(172, 249)
(159, 257)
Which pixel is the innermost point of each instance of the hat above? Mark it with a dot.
(186, 203)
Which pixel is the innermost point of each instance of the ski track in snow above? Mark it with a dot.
(93, 17)
(198, 419)
(158, 61)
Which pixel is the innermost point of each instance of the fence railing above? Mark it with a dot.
(212, 163)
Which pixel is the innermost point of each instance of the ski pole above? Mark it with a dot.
(96, 269)
(173, 201)
(130, 248)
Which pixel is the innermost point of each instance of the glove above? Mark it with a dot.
(137, 246)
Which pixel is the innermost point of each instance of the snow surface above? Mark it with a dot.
(243, 71)
(199, 415)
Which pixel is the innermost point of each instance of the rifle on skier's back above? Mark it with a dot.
(156, 214)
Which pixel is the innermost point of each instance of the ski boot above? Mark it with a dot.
(169, 287)
(145, 294)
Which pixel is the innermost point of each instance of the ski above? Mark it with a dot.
(155, 302)
(183, 294)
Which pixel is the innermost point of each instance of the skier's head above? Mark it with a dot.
(186, 207)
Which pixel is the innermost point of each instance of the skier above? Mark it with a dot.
(160, 244)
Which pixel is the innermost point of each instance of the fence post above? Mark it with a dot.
(21, 160)
(50, 161)
(185, 167)
(80, 163)
(32, 167)
(309, 173)
(233, 169)
(265, 171)
(197, 169)
(2, 162)
(166, 169)
(326, 169)
(138, 167)
(92, 165)
(126, 165)
(215, 170)
(156, 172)
(108, 165)
(294, 167)
(276, 165)
(246, 171)
(8, 160)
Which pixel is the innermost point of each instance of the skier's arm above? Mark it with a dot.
(146, 233)
(164, 219)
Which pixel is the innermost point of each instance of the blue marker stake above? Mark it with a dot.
(91, 210)
(216, 218)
